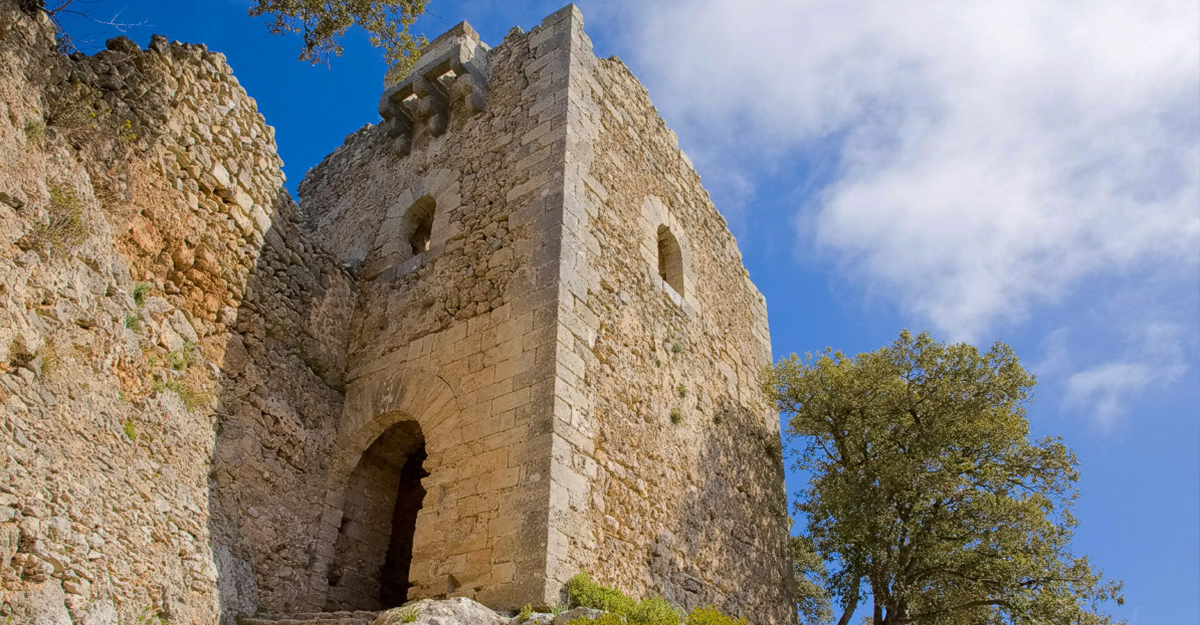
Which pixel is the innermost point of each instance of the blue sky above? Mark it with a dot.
(1020, 171)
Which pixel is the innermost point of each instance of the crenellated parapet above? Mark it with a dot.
(450, 79)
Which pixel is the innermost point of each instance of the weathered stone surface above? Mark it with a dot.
(456, 611)
(576, 613)
(509, 312)
(43, 604)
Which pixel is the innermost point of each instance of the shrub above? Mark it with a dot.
(133, 322)
(676, 416)
(676, 347)
(130, 431)
(526, 612)
(682, 391)
(582, 592)
(653, 611)
(35, 133)
(65, 230)
(711, 616)
(607, 618)
(603, 619)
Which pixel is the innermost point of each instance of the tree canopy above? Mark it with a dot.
(926, 492)
(322, 23)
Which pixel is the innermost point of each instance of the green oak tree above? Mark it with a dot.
(321, 23)
(926, 497)
(813, 603)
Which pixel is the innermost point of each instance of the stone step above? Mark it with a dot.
(312, 618)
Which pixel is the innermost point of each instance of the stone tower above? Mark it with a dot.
(550, 302)
(505, 337)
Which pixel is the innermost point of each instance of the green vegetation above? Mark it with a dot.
(181, 359)
(140, 290)
(130, 430)
(190, 397)
(51, 359)
(676, 416)
(676, 347)
(133, 322)
(35, 133)
(813, 601)
(582, 592)
(711, 616)
(409, 614)
(653, 611)
(65, 230)
(926, 492)
(525, 613)
(150, 616)
(321, 23)
(682, 391)
(125, 133)
(75, 109)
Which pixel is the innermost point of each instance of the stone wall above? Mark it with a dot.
(172, 345)
(215, 402)
(472, 316)
(668, 476)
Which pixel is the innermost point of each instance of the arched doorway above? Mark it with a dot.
(374, 545)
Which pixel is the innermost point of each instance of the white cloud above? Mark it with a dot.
(1103, 392)
(992, 155)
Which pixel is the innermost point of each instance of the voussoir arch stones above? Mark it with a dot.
(380, 400)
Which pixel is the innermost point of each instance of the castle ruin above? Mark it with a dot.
(503, 337)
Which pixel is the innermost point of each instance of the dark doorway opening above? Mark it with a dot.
(373, 555)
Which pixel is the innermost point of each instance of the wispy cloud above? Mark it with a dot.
(1103, 392)
(993, 156)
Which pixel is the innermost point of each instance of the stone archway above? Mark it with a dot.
(373, 551)
(378, 527)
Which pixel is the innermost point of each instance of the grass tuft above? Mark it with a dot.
(65, 230)
(410, 614)
(35, 133)
(140, 291)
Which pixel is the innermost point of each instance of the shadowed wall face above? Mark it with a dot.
(375, 541)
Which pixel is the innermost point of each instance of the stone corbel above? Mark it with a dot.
(449, 80)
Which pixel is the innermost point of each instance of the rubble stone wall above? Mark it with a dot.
(172, 345)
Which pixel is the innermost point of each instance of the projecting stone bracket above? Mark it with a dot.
(449, 80)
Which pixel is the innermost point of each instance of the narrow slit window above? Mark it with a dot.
(418, 224)
(670, 259)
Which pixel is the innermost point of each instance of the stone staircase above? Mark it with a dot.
(313, 618)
